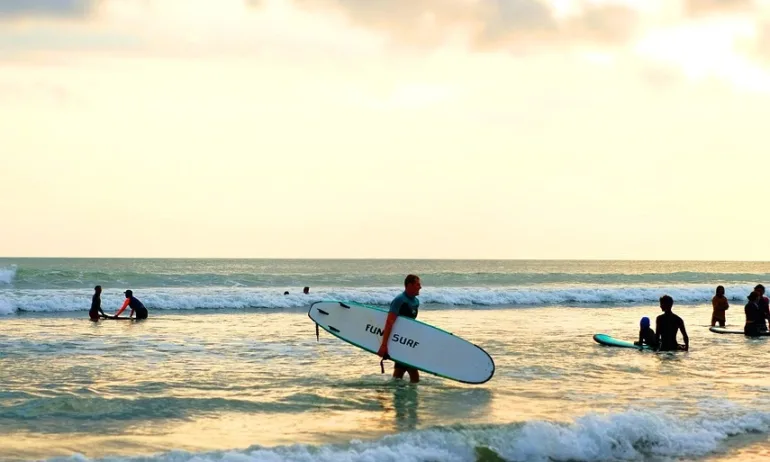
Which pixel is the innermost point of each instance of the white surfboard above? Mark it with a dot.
(412, 342)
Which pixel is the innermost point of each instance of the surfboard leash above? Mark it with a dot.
(382, 361)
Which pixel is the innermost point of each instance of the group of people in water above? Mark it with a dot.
(137, 307)
(96, 313)
(757, 310)
(668, 324)
(662, 338)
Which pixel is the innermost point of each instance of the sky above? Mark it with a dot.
(542, 129)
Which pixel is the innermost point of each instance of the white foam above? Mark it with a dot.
(6, 307)
(52, 300)
(7, 274)
(632, 435)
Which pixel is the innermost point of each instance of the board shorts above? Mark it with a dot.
(141, 313)
(399, 365)
(94, 316)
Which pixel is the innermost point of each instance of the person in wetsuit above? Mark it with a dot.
(96, 305)
(405, 304)
(646, 334)
(764, 306)
(135, 304)
(720, 305)
(755, 318)
(666, 327)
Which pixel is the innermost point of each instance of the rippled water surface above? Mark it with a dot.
(257, 384)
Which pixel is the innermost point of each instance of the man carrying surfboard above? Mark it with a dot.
(405, 304)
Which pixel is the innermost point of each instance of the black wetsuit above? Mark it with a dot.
(755, 319)
(647, 337)
(140, 312)
(764, 308)
(666, 326)
(96, 307)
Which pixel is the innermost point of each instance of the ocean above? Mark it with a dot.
(228, 368)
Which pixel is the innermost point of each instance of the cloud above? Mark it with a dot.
(14, 9)
(487, 23)
(702, 7)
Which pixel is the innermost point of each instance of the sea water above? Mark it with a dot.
(229, 368)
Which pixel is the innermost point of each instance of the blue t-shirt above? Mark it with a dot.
(404, 305)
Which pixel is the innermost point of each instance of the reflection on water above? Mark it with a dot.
(404, 404)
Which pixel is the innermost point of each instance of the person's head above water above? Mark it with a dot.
(666, 303)
(644, 323)
(129, 293)
(720, 290)
(306, 290)
(98, 289)
(412, 285)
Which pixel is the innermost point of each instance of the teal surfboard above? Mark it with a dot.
(606, 340)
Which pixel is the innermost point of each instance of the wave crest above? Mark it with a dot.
(63, 300)
(631, 435)
(7, 274)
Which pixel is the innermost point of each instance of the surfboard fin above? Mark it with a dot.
(317, 335)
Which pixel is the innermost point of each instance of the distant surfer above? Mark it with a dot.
(720, 305)
(135, 304)
(306, 290)
(405, 304)
(764, 306)
(96, 305)
(666, 327)
(755, 318)
(646, 334)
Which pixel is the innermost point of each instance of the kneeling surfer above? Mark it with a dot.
(405, 304)
(135, 304)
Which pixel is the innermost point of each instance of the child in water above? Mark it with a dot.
(720, 305)
(646, 334)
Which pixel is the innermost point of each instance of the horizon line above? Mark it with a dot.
(382, 258)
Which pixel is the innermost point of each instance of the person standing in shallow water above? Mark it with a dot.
(666, 327)
(764, 306)
(96, 305)
(755, 319)
(405, 304)
(720, 305)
